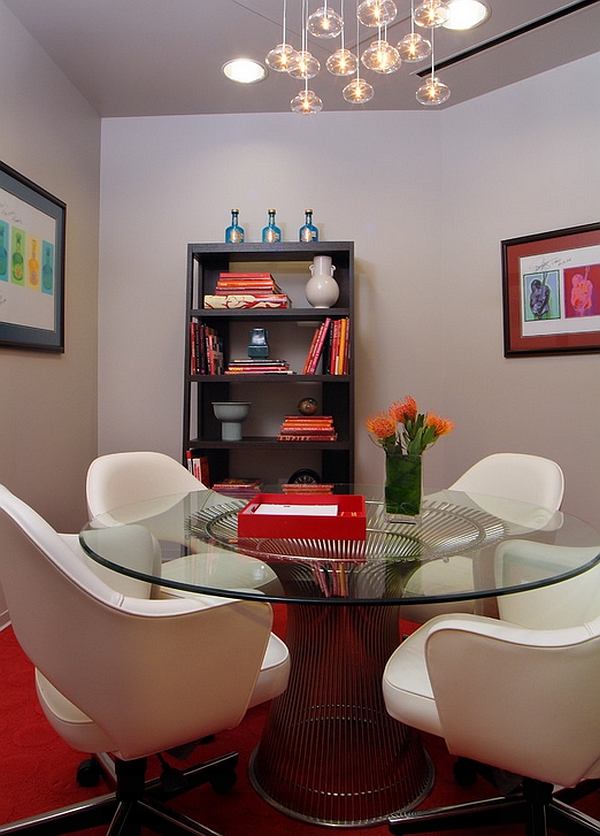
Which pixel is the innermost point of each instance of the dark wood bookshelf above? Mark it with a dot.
(288, 262)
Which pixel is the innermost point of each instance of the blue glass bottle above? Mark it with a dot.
(234, 234)
(271, 234)
(308, 232)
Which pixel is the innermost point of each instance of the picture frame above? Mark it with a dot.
(551, 292)
(32, 264)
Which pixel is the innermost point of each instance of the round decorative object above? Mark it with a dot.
(304, 476)
(308, 406)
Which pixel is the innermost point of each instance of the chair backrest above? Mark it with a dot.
(152, 674)
(119, 479)
(568, 603)
(519, 476)
(540, 482)
(521, 700)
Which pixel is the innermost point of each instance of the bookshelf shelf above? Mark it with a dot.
(273, 396)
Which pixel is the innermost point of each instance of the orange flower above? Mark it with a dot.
(381, 425)
(441, 426)
(403, 411)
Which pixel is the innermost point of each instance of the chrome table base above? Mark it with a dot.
(330, 754)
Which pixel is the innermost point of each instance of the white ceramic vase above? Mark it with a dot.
(322, 290)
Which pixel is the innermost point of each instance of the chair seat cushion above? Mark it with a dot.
(274, 672)
(406, 687)
(68, 721)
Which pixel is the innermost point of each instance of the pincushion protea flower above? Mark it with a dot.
(404, 429)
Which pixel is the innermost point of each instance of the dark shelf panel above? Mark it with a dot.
(283, 251)
(265, 442)
(269, 378)
(290, 314)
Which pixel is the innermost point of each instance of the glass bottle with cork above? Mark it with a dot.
(271, 233)
(308, 231)
(234, 234)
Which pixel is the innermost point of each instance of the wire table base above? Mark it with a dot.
(330, 754)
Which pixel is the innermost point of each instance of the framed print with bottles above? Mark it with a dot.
(32, 264)
(551, 292)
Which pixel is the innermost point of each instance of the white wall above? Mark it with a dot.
(48, 406)
(427, 197)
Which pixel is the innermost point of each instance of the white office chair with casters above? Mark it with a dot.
(501, 476)
(126, 675)
(524, 701)
(117, 480)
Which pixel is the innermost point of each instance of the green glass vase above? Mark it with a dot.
(403, 487)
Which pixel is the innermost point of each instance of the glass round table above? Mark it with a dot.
(329, 753)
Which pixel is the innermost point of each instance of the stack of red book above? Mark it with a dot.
(251, 365)
(232, 486)
(247, 290)
(307, 428)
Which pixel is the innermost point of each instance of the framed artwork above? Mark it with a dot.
(551, 292)
(32, 264)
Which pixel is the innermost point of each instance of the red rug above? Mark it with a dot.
(37, 770)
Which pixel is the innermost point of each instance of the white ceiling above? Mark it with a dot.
(164, 57)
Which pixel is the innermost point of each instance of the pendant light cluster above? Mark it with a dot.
(380, 56)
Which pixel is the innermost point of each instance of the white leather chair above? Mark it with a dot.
(524, 701)
(520, 476)
(118, 479)
(514, 476)
(131, 676)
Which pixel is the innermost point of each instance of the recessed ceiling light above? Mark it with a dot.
(245, 70)
(466, 14)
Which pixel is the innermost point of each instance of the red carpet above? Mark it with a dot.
(37, 770)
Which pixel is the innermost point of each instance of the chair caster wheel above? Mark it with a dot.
(465, 774)
(88, 773)
(224, 782)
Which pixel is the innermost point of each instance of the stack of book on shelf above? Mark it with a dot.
(231, 486)
(248, 365)
(331, 341)
(247, 290)
(304, 487)
(198, 465)
(206, 349)
(307, 428)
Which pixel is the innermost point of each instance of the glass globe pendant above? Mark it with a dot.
(433, 92)
(342, 62)
(306, 102)
(414, 47)
(431, 13)
(381, 57)
(278, 58)
(325, 23)
(303, 65)
(376, 12)
(358, 91)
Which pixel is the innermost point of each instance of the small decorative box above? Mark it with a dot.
(317, 516)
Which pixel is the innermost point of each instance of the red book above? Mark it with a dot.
(319, 346)
(311, 350)
(335, 345)
(233, 275)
